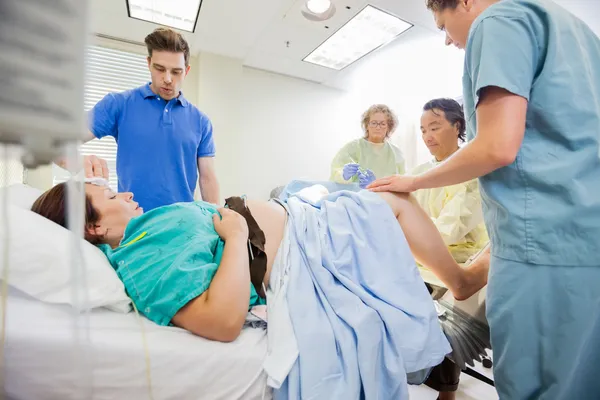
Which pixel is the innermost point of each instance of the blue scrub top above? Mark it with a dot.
(159, 143)
(545, 207)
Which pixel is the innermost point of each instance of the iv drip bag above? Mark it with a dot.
(42, 56)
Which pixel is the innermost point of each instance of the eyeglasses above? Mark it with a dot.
(375, 124)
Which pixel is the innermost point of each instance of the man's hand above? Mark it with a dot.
(95, 167)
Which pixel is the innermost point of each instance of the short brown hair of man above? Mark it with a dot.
(441, 5)
(165, 39)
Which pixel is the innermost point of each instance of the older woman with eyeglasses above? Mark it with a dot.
(372, 156)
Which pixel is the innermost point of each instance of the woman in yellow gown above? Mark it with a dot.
(455, 210)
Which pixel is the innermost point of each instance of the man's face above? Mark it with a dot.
(456, 22)
(168, 70)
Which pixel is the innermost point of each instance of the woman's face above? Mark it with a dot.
(377, 128)
(115, 209)
(439, 135)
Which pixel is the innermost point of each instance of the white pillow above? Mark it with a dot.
(22, 196)
(40, 262)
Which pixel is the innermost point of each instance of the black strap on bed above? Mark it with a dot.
(256, 240)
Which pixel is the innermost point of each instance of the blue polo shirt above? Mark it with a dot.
(159, 143)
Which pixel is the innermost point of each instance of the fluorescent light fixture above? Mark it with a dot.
(318, 6)
(180, 14)
(368, 30)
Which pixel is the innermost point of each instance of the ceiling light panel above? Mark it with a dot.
(368, 30)
(180, 14)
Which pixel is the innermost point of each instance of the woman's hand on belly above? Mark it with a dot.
(219, 313)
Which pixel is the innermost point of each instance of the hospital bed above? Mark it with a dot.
(116, 358)
(40, 346)
(41, 359)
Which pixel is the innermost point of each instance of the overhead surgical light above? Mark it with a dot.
(318, 10)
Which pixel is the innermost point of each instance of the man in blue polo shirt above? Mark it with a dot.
(164, 142)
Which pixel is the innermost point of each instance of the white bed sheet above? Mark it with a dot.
(39, 349)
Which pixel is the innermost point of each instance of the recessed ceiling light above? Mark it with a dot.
(318, 10)
(318, 6)
(368, 30)
(180, 14)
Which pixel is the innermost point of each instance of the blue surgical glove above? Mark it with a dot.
(350, 170)
(365, 178)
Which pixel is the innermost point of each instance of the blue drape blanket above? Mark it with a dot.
(360, 310)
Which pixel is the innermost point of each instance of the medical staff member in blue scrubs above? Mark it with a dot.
(532, 100)
(164, 141)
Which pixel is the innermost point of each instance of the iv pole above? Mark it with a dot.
(42, 65)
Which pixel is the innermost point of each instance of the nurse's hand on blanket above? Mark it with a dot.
(231, 225)
(350, 170)
(394, 183)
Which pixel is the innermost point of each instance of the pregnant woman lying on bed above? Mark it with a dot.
(349, 315)
(187, 264)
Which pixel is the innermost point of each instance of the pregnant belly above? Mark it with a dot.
(270, 217)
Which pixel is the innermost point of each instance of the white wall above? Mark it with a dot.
(291, 129)
(269, 128)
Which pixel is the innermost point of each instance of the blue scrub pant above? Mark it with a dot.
(545, 330)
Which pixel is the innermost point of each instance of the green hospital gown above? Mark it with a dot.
(384, 159)
(168, 257)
